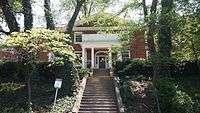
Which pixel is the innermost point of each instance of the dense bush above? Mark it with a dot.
(13, 90)
(13, 72)
(172, 98)
(134, 68)
(83, 72)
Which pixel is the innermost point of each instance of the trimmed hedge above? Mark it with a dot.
(132, 68)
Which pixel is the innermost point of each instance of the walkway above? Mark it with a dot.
(99, 95)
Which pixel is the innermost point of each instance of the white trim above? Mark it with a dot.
(77, 51)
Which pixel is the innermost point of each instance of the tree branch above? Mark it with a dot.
(144, 8)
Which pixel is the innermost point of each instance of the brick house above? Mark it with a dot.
(93, 48)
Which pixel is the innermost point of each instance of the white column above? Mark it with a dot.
(119, 56)
(92, 58)
(83, 57)
(110, 58)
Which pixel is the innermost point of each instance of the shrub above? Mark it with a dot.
(133, 68)
(172, 98)
(182, 103)
(12, 72)
(83, 72)
(67, 72)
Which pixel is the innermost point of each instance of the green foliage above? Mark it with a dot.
(13, 90)
(16, 5)
(186, 30)
(172, 98)
(10, 87)
(67, 72)
(127, 96)
(182, 103)
(63, 105)
(31, 42)
(11, 72)
(102, 20)
(28, 44)
(133, 68)
(83, 72)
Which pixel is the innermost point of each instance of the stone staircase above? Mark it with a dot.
(99, 95)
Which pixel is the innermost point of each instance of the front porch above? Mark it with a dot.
(98, 57)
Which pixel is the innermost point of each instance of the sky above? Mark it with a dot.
(62, 16)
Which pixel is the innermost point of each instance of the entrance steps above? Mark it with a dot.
(99, 95)
(101, 72)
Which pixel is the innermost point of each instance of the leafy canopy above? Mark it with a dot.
(102, 20)
(31, 42)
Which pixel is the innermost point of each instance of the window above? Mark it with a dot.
(125, 55)
(78, 37)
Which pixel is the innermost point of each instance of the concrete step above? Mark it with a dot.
(96, 94)
(97, 112)
(99, 96)
(98, 109)
(98, 102)
(98, 99)
(98, 105)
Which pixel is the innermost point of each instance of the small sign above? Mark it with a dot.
(58, 83)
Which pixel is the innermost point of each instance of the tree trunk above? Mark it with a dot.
(9, 16)
(150, 36)
(48, 15)
(29, 92)
(74, 16)
(151, 44)
(164, 36)
(28, 17)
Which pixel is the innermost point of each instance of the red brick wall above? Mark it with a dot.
(13, 56)
(137, 47)
(77, 47)
(8, 55)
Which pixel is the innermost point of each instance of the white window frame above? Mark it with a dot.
(129, 55)
(78, 33)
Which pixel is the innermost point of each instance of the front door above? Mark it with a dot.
(102, 62)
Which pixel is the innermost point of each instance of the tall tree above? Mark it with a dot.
(70, 25)
(28, 17)
(9, 16)
(48, 15)
(165, 33)
(150, 19)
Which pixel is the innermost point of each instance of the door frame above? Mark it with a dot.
(97, 61)
(106, 60)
